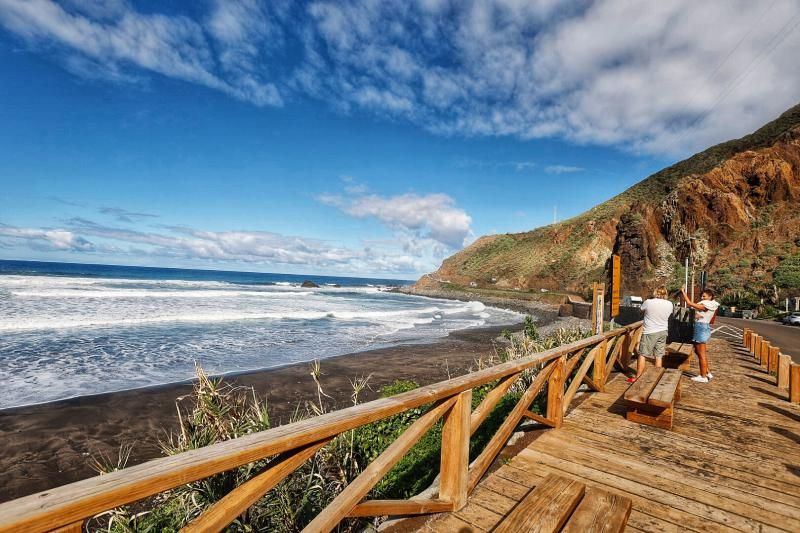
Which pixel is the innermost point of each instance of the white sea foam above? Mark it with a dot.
(67, 336)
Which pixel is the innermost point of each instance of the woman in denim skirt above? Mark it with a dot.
(706, 308)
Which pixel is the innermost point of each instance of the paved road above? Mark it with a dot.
(785, 337)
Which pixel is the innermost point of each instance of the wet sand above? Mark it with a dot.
(47, 445)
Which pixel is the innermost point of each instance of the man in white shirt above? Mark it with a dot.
(706, 309)
(657, 311)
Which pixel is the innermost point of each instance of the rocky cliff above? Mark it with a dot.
(733, 209)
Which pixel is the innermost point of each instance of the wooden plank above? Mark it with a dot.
(454, 465)
(506, 429)
(640, 391)
(490, 401)
(600, 512)
(663, 394)
(657, 417)
(546, 509)
(344, 503)
(625, 455)
(669, 480)
(638, 519)
(784, 362)
(555, 392)
(400, 507)
(794, 383)
(236, 502)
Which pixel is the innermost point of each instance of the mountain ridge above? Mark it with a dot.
(737, 198)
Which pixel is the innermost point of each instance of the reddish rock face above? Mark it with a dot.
(735, 207)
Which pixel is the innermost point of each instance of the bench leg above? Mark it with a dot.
(649, 415)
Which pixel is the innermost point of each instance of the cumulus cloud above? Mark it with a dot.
(562, 169)
(48, 239)
(666, 77)
(432, 218)
(265, 248)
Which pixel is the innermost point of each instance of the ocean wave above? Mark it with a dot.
(149, 293)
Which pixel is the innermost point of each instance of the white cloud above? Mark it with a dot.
(665, 77)
(174, 46)
(48, 239)
(562, 169)
(264, 248)
(432, 218)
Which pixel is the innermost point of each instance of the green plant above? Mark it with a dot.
(787, 274)
(530, 329)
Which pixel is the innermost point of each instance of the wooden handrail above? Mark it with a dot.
(73, 503)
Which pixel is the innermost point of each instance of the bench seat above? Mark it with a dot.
(678, 355)
(651, 399)
(559, 504)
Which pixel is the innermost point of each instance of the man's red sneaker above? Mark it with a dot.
(631, 379)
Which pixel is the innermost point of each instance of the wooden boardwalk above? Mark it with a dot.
(731, 462)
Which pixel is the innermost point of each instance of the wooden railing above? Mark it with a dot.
(562, 369)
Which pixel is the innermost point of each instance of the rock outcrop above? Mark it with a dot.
(733, 209)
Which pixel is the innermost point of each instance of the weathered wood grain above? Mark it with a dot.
(546, 509)
(600, 512)
(664, 393)
(640, 391)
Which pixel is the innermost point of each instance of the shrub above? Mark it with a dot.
(787, 275)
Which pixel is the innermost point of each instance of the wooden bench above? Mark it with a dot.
(652, 397)
(678, 355)
(559, 504)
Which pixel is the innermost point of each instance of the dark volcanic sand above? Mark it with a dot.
(47, 445)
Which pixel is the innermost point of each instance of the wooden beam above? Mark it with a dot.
(490, 401)
(76, 527)
(223, 512)
(577, 380)
(794, 383)
(400, 507)
(504, 432)
(454, 466)
(555, 392)
(343, 504)
(784, 362)
(538, 418)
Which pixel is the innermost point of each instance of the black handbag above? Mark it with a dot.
(681, 325)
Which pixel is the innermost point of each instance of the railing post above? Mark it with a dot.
(754, 345)
(599, 377)
(794, 383)
(784, 362)
(746, 337)
(764, 353)
(772, 359)
(454, 483)
(555, 392)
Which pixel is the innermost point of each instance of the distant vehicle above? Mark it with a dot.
(632, 301)
(792, 319)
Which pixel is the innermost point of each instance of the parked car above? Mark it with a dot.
(792, 319)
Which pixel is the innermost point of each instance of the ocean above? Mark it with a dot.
(70, 330)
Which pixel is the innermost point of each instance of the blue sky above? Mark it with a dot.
(356, 137)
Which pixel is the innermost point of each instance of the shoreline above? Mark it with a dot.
(51, 444)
